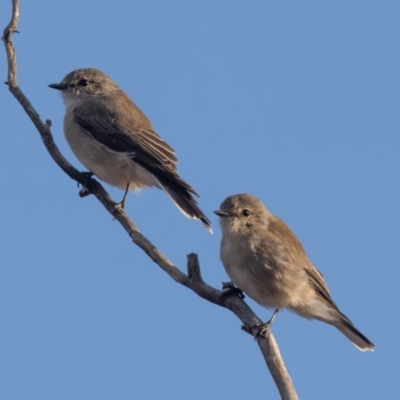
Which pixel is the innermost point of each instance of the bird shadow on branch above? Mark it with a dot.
(193, 279)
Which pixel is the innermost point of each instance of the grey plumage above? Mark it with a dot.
(265, 259)
(115, 141)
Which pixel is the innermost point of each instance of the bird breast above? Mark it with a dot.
(251, 274)
(115, 168)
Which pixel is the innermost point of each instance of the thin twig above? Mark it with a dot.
(193, 279)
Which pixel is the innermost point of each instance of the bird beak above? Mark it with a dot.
(58, 86)
(221, 213)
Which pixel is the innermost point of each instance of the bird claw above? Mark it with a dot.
(229, 289)
(86, 175)
(262, 330)
(121, 204)
(85, 191)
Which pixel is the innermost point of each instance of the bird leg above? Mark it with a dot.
(122, 202)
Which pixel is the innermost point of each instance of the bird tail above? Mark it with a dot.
(185, 202)
(356, 337)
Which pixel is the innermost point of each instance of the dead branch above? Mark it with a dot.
(192, 279)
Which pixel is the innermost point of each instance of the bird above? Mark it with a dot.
(265, 260)
(115, 140)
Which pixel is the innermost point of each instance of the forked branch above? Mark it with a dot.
(192, 279)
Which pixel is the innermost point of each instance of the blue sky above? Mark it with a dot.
(294, 103)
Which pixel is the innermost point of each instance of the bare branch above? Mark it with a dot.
(10, 50)
(193, 280)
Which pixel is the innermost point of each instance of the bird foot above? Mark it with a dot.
(84, 191)
(120, 206)
(260, 330)
(229, 289)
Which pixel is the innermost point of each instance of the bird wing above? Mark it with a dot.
(294, 252)
(105, 124)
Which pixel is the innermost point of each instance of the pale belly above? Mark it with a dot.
(283, 286)
(115, 168)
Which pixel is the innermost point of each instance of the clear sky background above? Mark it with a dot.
(294, 102)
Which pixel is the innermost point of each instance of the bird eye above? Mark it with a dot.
(83, 82)
(246, 212)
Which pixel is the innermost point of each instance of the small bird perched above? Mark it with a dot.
(115, 141)
(264, 258)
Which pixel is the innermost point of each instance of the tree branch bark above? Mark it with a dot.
(192, 279)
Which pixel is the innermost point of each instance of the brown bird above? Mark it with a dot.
(115, 141)
(264, 258)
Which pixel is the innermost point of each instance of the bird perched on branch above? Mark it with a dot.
(116, 142)
(265, 259)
